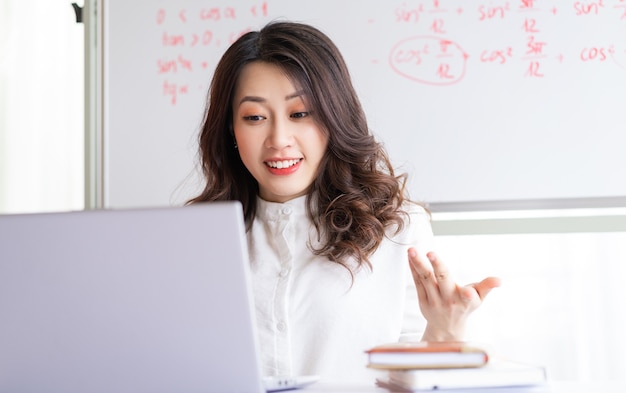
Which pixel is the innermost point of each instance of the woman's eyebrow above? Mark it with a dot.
(297, 94)
(252, 99)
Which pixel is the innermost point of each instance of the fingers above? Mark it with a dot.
(431, 281)
(480, 290)
(485, 286)
(434, 281)
(419, 272)
(439, 269)
(441, 275)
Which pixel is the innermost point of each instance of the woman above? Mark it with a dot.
(328, 221)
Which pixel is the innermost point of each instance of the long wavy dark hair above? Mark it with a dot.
(356, 197)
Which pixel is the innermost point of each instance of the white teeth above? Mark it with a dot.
(282, 164)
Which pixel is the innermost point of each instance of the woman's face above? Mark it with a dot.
(278, 141)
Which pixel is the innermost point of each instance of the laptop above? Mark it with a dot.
(134, 300)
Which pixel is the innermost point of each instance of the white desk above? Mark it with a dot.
(550, 387)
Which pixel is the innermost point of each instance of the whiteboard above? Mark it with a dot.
(483, 103)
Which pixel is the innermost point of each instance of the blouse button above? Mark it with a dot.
(284, 272)
(286, 210)
(281, 326)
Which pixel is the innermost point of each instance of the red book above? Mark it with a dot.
(425, 355)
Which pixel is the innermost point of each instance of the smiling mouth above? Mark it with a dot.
(282, 164)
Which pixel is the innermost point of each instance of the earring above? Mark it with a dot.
(232, 134)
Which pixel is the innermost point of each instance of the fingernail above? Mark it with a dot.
(412, 253)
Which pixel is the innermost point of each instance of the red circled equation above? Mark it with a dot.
(429, 60)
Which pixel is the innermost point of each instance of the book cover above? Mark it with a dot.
(497, 373)
(426, 355)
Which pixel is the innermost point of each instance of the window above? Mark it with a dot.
(41, 107)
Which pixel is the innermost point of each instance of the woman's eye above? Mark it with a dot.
(253, 118)
(300, 115)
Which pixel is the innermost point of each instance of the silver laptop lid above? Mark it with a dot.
(144, 300)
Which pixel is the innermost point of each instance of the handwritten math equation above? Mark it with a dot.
(186, 33)
(434, 52)
(436, 58)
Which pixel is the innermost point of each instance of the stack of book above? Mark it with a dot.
(420, 366)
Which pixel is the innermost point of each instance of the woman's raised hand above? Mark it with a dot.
(445, 304)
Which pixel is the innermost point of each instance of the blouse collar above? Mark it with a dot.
(273, 210)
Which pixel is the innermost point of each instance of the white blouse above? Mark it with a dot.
(311, 320)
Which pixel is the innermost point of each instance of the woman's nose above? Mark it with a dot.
(280, 135)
